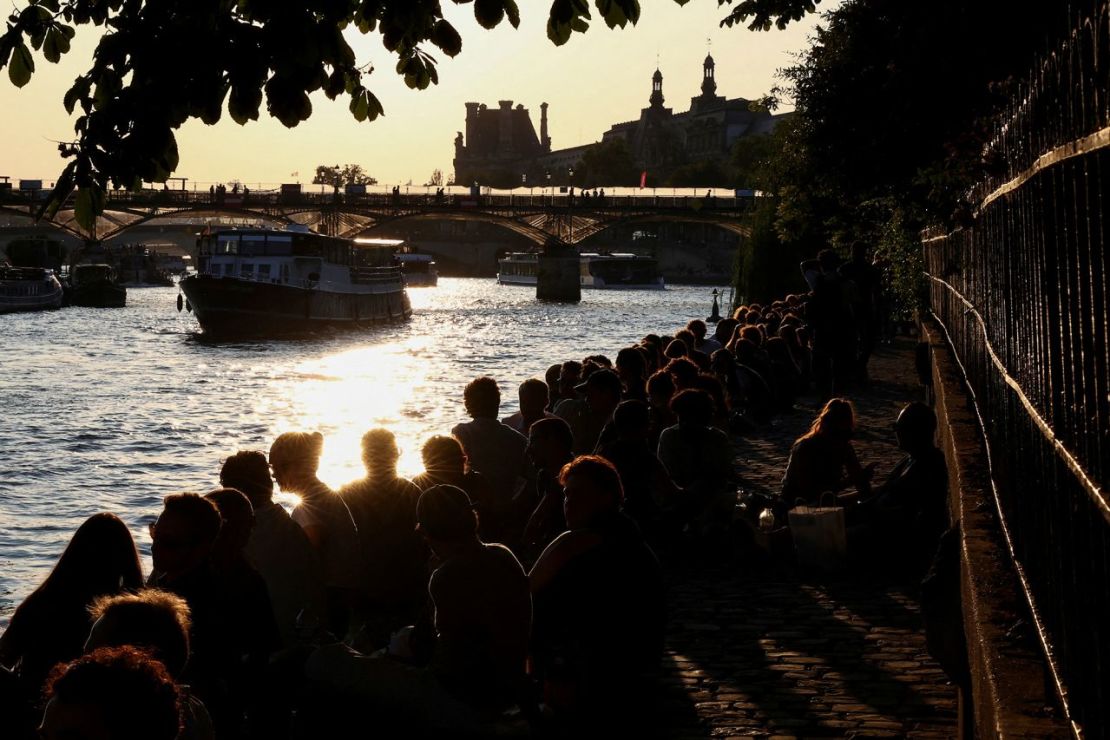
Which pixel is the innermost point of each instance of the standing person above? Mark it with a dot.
(599, 616)
(533, 397)
(866, 298)
(829, 316)
(51, 624)
(823, 459)
(325, 519)
(277, 547)
(384, 507)
(496, 451)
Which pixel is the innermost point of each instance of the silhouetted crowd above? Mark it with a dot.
(516, 580)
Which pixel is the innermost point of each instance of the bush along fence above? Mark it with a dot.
(1022, 294)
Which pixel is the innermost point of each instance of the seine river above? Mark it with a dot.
(112, 409)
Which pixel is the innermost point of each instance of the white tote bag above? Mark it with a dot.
(819, 540)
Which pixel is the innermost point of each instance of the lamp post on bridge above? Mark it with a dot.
(550, 194)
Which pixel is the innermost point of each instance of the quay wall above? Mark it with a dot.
(1009, 695)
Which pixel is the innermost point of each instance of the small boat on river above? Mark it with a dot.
(29, 289)
(95, 285)
(268, 282)
(615, 270)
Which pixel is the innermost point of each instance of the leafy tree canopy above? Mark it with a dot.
(340, 175)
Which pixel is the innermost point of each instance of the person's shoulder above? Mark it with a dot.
(503, 556)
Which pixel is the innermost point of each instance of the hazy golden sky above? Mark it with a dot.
(595, 80)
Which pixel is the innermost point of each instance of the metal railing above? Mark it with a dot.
(1024, 297)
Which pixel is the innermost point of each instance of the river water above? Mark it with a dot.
(112, 409)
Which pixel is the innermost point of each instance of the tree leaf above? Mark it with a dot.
(21, 65)
(489, 13)
(89, 205)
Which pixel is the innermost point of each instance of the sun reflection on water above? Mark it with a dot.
(345, 394)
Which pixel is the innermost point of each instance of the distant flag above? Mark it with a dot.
(643, 179)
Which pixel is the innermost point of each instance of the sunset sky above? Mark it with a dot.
(595, 80)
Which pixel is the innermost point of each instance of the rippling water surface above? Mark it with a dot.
(111, 409)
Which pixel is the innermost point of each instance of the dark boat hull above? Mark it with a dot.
(102, 294)
(227, 306)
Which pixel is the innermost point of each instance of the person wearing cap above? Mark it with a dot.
(482, 618)
(602, 392)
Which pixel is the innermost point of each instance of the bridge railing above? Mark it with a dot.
(1023, 295)
(509, 201)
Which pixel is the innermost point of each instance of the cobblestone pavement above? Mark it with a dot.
(759, 649)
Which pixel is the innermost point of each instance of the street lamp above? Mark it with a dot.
(549, 193)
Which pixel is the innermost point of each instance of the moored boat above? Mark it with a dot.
(616, 270)
(268, 282)
(29, 289)
(95, 285)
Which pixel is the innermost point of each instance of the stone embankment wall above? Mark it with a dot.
(1009, 691)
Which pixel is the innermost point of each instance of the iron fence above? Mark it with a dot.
(1023, 296)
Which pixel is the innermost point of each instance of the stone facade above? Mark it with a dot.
(500, 146)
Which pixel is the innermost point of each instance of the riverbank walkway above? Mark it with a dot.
(763, 650)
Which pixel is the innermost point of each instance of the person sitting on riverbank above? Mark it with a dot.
(533, 397)
(156, 621)
(905, 517)
(249, 618)
(482, 610)
(183, 538)
(550, 447)
(278, 548)
(588, 420)
(445, 463)
(631, 369)
(599, 609)
(551, 377)
(698, 458)
(660, 390)
(326, 520)
(702, 343)
(394, 557)
(684, 373)
(112, 694)
(823, 459)
(496, 451)
(51, 624)
(648, 489)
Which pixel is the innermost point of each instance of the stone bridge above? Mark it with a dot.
(542, 219)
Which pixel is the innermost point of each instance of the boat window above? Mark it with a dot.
(246, 270)
(279, 245)
(253, 244)
(229, 268)
(228, 244)
(264, 272)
